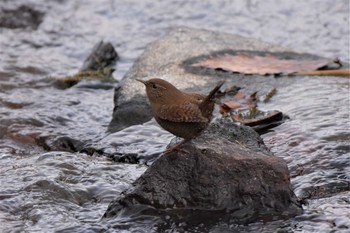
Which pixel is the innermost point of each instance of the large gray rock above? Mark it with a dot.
(164, 59)
(226, 173)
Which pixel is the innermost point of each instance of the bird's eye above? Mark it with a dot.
(154, 86)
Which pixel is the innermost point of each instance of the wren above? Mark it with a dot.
(183, 114)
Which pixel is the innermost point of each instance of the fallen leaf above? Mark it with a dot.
(226, 107)
(243, 108)
(238, 101)
(239, 95)
(262, 63)
(231, 105)
(261, 121)
(258, 117)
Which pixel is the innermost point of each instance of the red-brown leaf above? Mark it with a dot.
(250, 63)
(238, 101)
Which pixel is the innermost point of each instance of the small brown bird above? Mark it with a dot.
(183, 114)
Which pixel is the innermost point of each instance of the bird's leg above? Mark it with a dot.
(176, 147)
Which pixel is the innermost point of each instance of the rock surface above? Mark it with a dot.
(164, 59)
(226, 172)
(103, 55)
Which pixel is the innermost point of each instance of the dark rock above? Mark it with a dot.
(98, 66)
(226, 173)
(60, 143)
(20, 17)
(102, 55)
(137, 107)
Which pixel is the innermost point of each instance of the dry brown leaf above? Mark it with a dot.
(231, 105)
(239, 95)
(226, 107)
(250, 63)
(258, 118)
(238, 101)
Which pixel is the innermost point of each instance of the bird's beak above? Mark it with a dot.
(141, 81)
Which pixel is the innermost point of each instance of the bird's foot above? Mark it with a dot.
(176, 148)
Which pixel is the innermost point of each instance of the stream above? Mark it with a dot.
(48, 189)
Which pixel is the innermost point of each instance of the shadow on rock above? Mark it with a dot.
(225, 174)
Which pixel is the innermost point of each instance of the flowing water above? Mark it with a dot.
(45, 189)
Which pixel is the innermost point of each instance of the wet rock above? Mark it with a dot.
(102, 55)
(60, 143)
(21, 17)
(225, 173)
(164, 59)
(99, 65)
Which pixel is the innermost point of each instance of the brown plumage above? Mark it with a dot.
(183, 114)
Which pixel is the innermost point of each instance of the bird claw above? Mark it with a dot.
(176, 148)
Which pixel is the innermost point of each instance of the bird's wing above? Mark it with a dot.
(181, 113)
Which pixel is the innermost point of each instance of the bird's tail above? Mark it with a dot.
(210, 96)
(207, 105)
